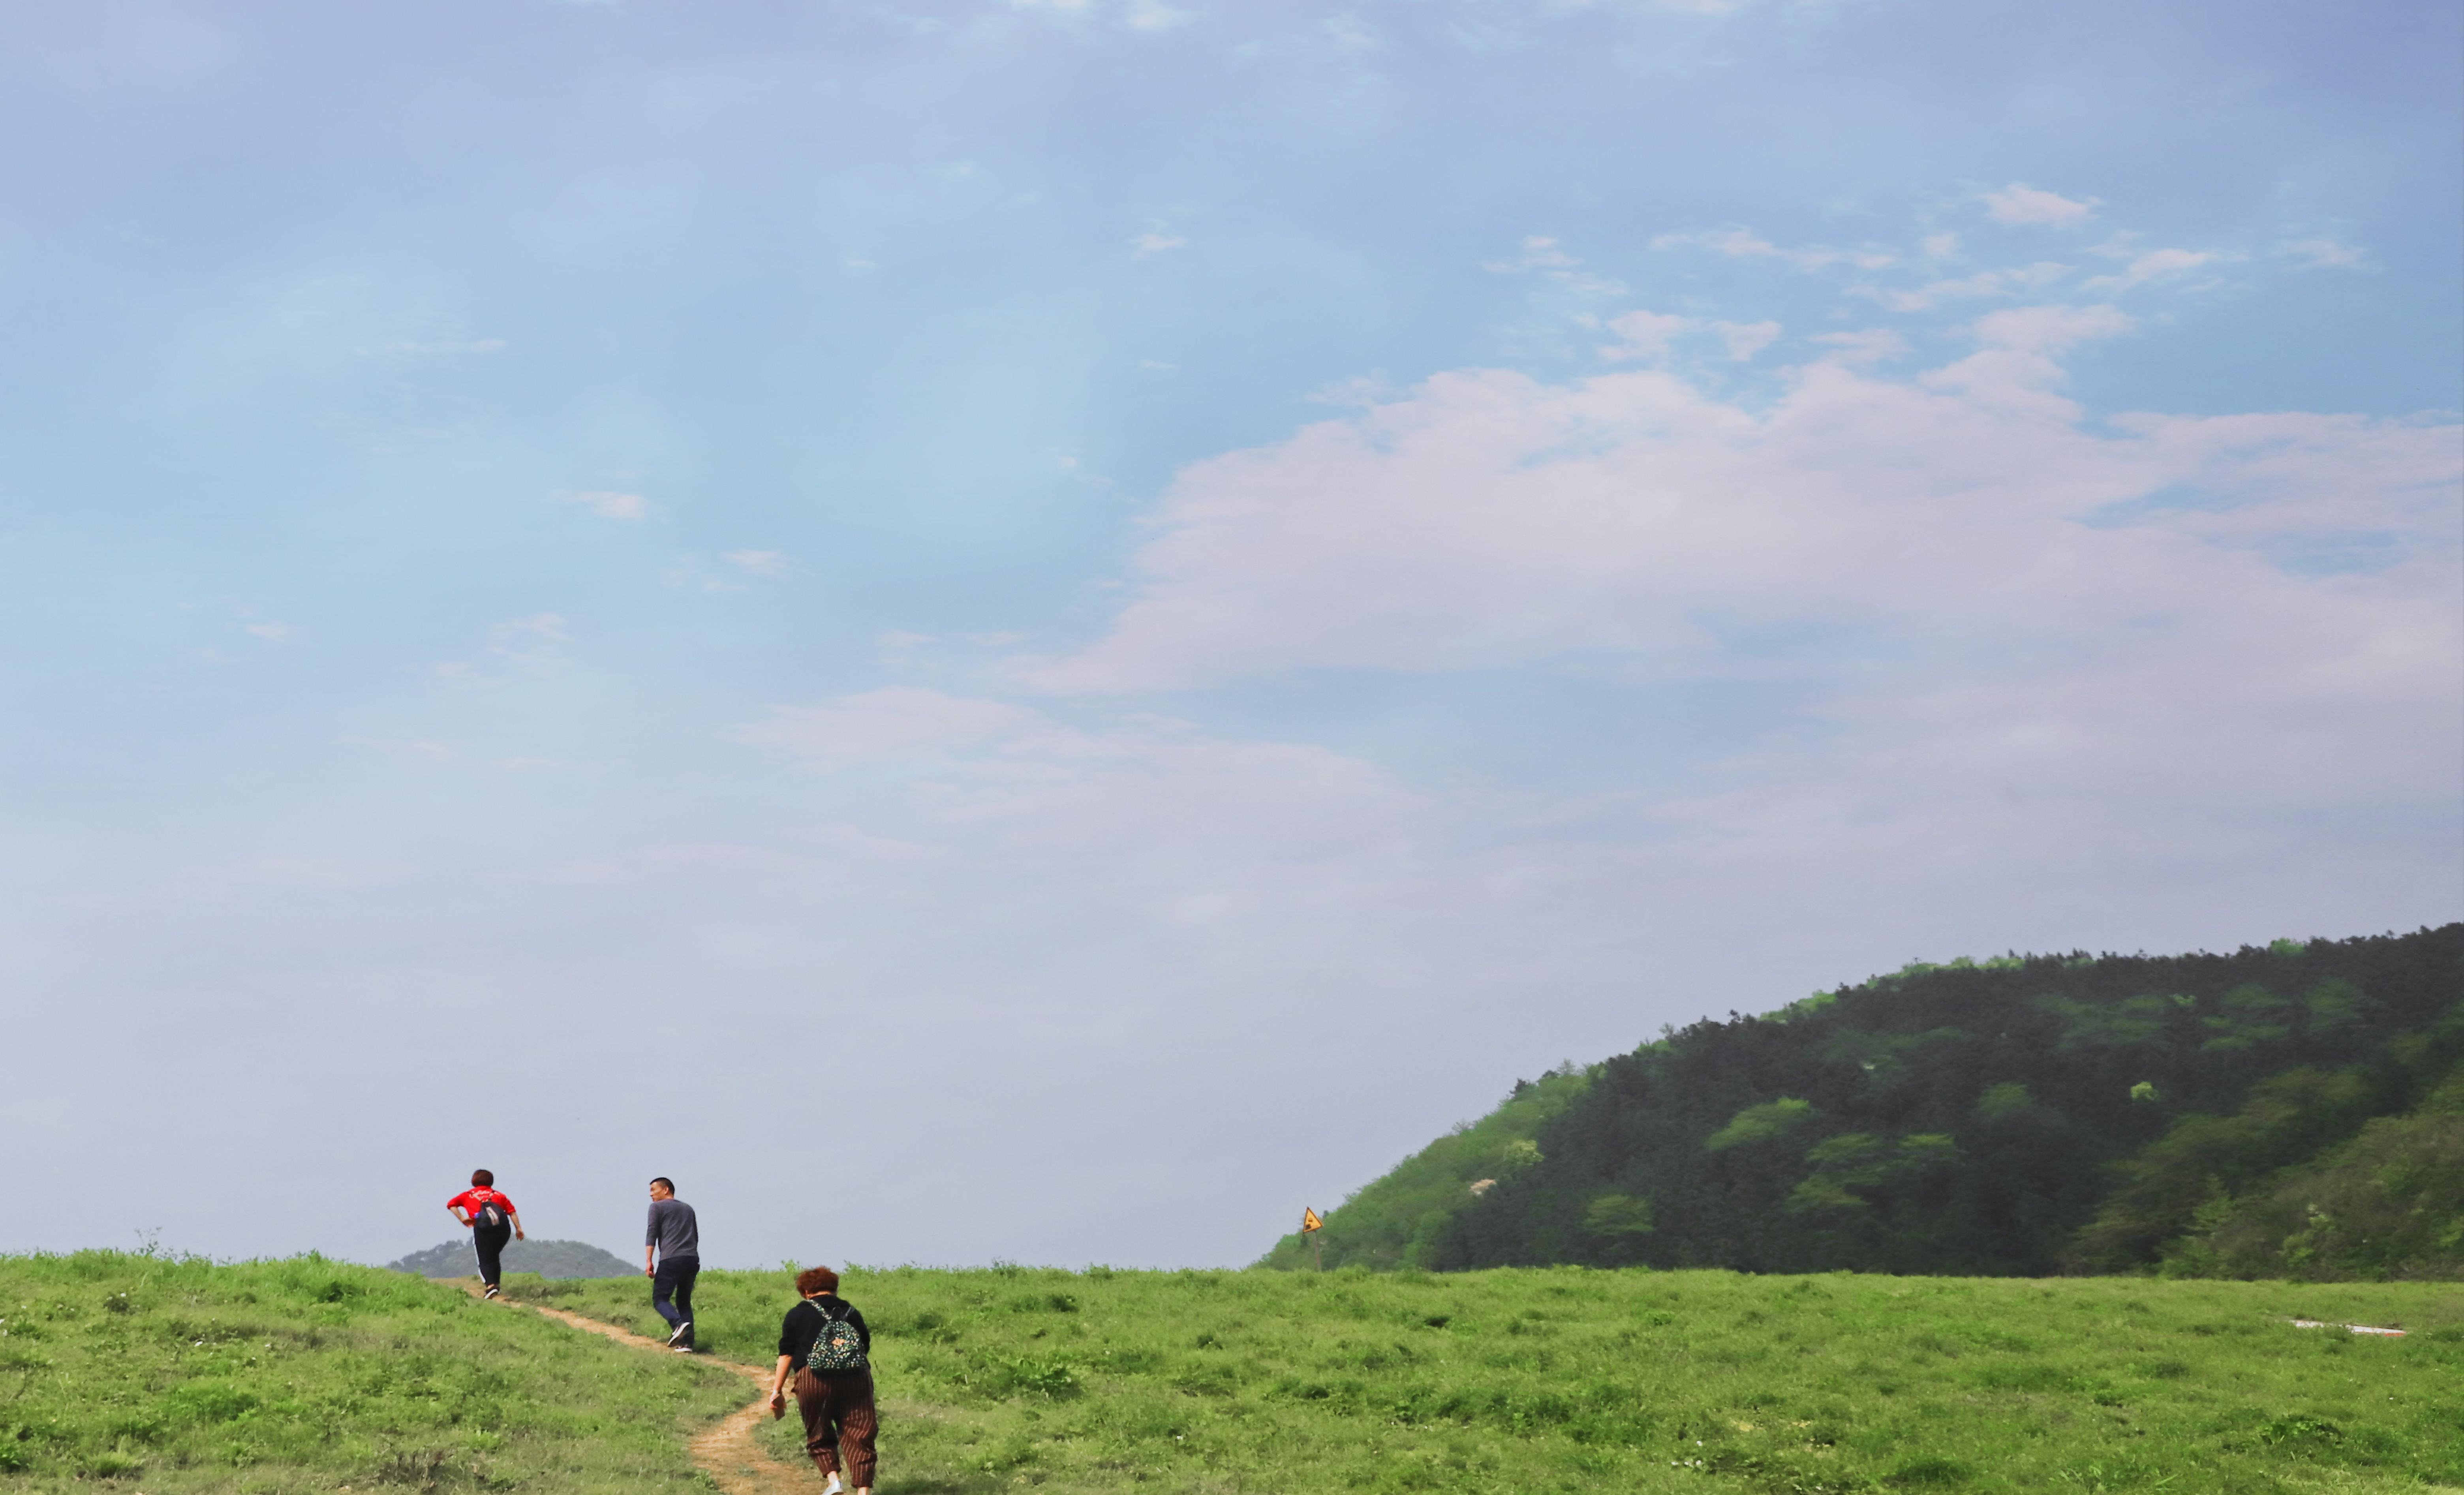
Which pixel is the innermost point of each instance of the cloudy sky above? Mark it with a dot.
(1046, 629)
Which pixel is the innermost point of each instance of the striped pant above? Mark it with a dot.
(839, 1422)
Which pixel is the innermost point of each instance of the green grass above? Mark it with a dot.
(143, 1373)
(1572, 1380)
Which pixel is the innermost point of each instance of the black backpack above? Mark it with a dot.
(838, 1348)
(491, 1215)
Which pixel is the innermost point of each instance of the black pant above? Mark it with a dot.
(489, 1241)
(674, 1279)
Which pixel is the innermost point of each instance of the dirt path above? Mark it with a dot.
(728, 1452)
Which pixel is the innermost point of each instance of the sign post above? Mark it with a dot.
(1311, 1225)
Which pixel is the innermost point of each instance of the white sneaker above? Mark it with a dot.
(682, 1330)
(831, 1488)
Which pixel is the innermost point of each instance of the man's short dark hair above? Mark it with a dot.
(668, 1184)
(482, 1178)
(816, 1278)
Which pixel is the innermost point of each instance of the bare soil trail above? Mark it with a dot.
(728, 1452)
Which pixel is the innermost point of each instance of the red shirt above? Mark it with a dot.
(470, 1201)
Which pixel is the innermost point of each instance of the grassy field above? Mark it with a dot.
(166, 1377)
(1574, 1380)
(171, 1376)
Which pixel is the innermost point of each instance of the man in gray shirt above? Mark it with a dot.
(671, 1259)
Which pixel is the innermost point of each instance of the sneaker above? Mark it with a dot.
(683, 1331)
(491, 1293)
(831, 1488)
(684, 1349)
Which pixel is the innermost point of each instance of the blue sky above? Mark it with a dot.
(1100, 617)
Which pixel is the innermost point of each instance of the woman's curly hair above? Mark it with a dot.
(816, 1278)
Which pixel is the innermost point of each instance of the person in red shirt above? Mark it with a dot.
(493, 1221)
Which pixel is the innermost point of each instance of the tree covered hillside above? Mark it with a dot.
(2022, 1115)
(1397, 1220)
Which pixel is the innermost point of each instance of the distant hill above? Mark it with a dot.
(547, 1258)
(2286, 1109)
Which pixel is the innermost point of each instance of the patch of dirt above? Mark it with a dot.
(728, 1452)
(731, 1455)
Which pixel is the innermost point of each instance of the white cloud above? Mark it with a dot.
(2018, 280)
(533, 645)
(515, 636)
(2154, 265)
(2328, 255)
(689, 574)
(631, 508)
(1940, 245)
(2049, 330)
(475, 345)
(1873, 345)
(1156, 242)
(898, 722)
(1539, 253)
(270, 632)
(417, 752)
(1358, 393)
(1647, 337)
(2021, 205)
(2022, 647)
(758, 562)
(1196, 826)
(1487, 519)
(1650, 337)
(428, 755)
(323, 872)
(1744, 244)
(1543, 256)
(1148, 15)
(1744, 339)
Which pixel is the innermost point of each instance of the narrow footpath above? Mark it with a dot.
(727, 1452)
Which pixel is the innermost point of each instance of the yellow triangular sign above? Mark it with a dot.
(1309, 1222)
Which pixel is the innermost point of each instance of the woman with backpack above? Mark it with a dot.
(491, 1219)
(824, 1344)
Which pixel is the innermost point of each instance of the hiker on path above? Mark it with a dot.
(824, 1342)
(671, 1259)
(491, 1220)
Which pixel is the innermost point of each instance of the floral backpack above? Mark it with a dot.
(838, 1348)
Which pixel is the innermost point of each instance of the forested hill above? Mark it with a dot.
(2022, 1115)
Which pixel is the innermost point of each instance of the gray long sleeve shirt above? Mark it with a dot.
(674, 1230)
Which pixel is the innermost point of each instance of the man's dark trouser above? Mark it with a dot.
(489, 1241)
(675, 1280)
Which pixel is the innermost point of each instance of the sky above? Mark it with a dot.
(1047, 629)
